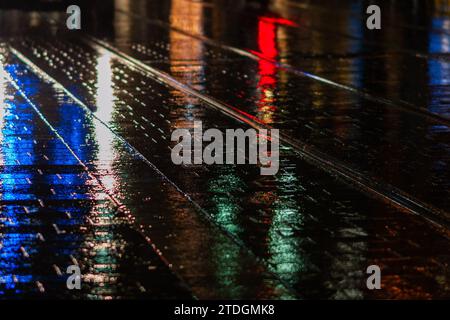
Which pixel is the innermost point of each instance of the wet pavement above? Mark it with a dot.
(86, 175)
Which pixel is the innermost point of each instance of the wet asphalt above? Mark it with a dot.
(87, 178)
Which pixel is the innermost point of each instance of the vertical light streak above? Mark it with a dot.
(105, 109)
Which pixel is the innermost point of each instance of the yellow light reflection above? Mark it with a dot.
(186, 55)
(123, 21)
(187, 15)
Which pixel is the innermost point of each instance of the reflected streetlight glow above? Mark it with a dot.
(2, 100)
(105, 91)
(105, 108)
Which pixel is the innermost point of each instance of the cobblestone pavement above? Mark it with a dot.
(86, 175)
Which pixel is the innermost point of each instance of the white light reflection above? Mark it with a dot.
(104, 243)
(105, 108)
(2, 100)
(105, 92)
(2, 85)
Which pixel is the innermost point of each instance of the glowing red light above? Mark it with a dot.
(268, 50)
